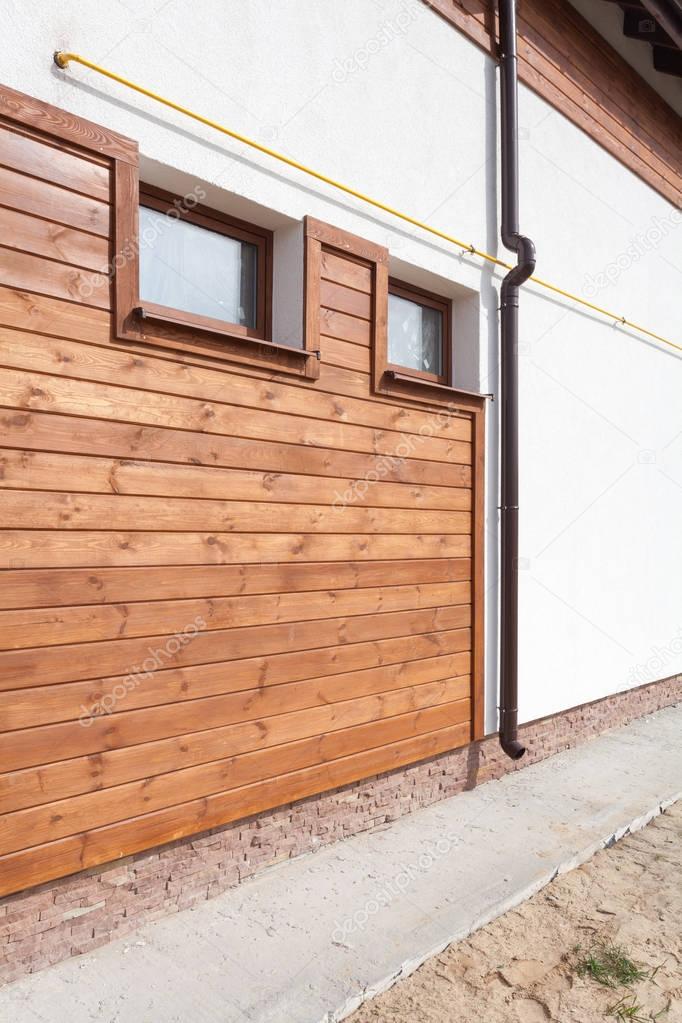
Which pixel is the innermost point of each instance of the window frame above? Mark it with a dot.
(214, 220)
(420, 296)
(171, 330)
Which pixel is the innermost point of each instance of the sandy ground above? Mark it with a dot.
(522, 967)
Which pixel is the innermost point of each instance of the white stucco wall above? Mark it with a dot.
(385, 95)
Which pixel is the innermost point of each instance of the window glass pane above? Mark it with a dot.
(184, 266)
(415, 335)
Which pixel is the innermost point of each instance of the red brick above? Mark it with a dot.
(28, 927)
(25, 947)
(88, 944)
(48, 955)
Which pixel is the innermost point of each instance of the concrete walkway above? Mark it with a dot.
(308, 941)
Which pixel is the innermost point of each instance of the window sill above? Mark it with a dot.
(193, 321)
(420, 388)
(168, 328)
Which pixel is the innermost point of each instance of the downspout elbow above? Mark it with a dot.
(525, 263)
(509, 733)
(513, 748)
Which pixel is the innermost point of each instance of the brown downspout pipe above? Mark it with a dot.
(509, 382)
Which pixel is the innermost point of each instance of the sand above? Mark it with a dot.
(522, 967)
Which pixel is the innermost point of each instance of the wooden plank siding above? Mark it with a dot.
(225, 587)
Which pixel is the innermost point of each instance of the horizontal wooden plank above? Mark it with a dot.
(47, 432)
(45, 238)
(52, 202)
(345, 354)
(26, 588)
(28, 709)
(47, 470)
(46, 277)
(20, 152)
(23, 789)
(33, 826)
(68, 396)
(36, 746)
(194, 644)
(33, 548)
(30, 312)
(27, 351)
(50, 510)
(66, 778)
(341, 299)
(56, 859)
(341, 270)
(88, 623)
(342, 327)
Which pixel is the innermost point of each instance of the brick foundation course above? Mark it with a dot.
(60, 919)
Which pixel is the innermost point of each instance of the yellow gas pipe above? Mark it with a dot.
(63, 60)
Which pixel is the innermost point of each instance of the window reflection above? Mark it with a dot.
(415, 335)
(184, 266)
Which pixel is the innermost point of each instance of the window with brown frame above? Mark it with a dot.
(193, 279)
(418, 341)
(201, 268)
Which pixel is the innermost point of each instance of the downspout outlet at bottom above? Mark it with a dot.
(509, 740)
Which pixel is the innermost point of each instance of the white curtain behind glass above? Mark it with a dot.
(187, 267)
(414, 335)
